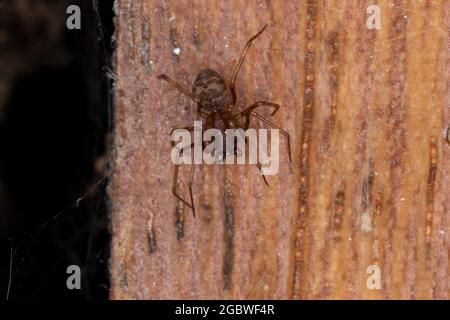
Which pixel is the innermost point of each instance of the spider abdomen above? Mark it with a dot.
(211, 89)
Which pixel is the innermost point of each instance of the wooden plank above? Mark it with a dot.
(368, 185)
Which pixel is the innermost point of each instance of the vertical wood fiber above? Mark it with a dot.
(367, 111)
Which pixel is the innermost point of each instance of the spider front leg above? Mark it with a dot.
(179, 87)
(241, 60)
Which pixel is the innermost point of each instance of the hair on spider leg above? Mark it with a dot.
(215, 99)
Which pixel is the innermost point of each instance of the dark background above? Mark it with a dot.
(55, 120)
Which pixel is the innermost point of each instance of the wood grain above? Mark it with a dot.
(367, 111)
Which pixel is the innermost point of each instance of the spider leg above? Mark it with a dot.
(175, 177)
(191, 179)
(258, 164)
(273, 125)
(179, 87)
(174, 186)
(258, 104)
(241, 60)
(262, 174)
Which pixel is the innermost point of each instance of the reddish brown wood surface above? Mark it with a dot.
(367, 111)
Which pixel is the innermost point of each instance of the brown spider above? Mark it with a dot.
(215, 101)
